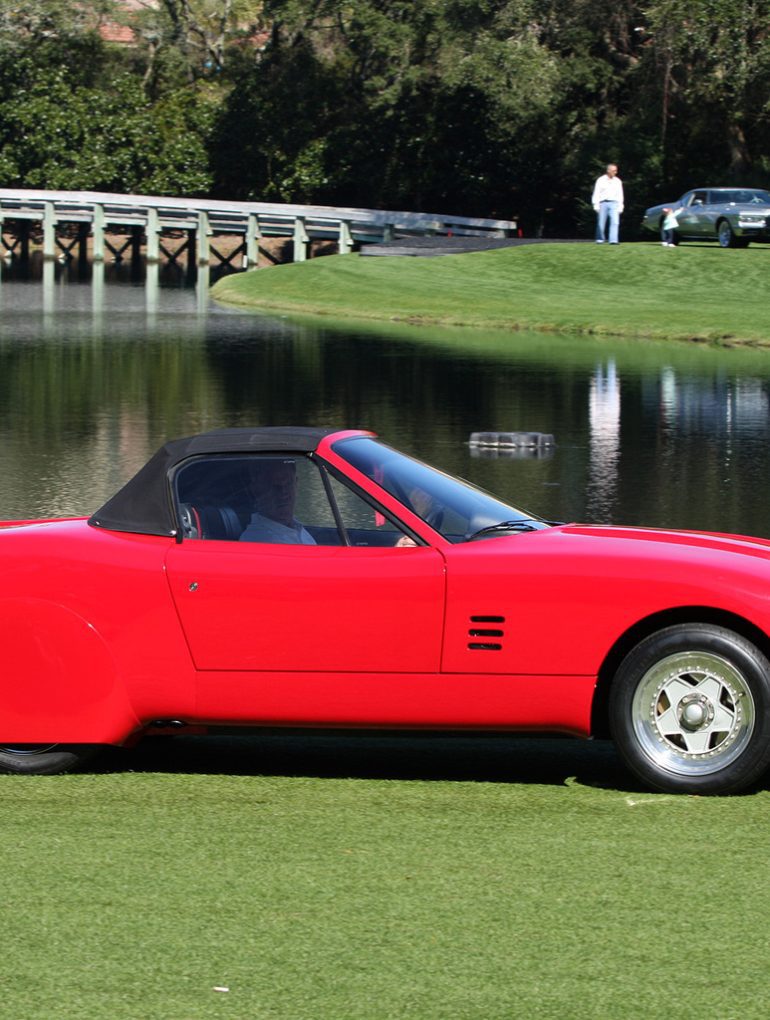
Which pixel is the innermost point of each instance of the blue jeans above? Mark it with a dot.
(608, 211)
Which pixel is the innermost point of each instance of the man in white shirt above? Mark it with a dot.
(274, 489)
(607, 201)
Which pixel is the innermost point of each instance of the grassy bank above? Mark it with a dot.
(472, 881)
(694, 292)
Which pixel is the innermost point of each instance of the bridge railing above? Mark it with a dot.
(146, 217)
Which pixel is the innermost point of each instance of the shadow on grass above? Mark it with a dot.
(546, 760)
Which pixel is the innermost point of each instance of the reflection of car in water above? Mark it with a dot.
(368, 590)
(731, 216)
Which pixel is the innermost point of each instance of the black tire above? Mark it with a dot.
(44, 759)
(726, 235)
(690, 710)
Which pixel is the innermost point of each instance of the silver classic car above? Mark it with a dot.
(732, 216)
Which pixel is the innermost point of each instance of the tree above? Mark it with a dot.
(192, 39)
(82, 124)
(391, 103)
(710, 62)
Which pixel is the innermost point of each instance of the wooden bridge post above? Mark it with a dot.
(204, 232)
(300, 239)
(97, 291)
(151, 289)
(49, 231)
(345, 238)
(202, 287)
(49, 293)
(253, 237)
(152, 232)
(98, 229)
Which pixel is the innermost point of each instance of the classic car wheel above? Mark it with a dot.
(726, 235)
(43, 759)
(690, 710)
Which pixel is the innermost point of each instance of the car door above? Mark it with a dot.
(694, 219)
(293, 608)
(329, 590)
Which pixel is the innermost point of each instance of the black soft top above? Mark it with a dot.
(144, 505)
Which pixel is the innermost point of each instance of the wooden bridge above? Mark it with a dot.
(94, 224)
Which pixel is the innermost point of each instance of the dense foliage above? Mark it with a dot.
(477, 107)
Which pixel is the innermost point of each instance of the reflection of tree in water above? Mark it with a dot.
(78, 418)
(423, 398)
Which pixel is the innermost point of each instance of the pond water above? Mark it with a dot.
(99, 365)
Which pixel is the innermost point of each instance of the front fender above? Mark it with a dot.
(58, 679)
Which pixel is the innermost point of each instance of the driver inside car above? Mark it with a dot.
(274, 490)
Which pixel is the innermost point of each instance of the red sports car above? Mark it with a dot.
(313, 578)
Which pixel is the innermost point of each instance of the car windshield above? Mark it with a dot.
(743, 196)
(458, 510)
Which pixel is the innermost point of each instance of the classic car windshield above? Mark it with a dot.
(453, 507)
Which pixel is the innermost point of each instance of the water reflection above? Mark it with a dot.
(604, 425)
(55, 280)
(98, 366)
(511, 453)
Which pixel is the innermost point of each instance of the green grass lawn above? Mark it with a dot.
(696, 291)
(326, 880)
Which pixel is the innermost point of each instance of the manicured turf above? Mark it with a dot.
(636, 290)
(334, 881)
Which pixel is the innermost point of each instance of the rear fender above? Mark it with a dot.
(58, 679)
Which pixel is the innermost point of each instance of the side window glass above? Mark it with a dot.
(276, 499)
(364, 525)
(260, 498)
(213, 498)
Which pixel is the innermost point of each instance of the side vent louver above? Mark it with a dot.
(483, 632)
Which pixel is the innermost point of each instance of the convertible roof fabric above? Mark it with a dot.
(144, 505)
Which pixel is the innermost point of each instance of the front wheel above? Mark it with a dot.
(726, 235)
(43, 759)
(690, 710)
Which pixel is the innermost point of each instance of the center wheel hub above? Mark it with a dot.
(695, 711)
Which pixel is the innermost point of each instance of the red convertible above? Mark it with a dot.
(312, 578)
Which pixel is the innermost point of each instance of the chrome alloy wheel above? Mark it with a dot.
(693, 713)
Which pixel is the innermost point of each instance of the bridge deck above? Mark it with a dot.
(147, 218)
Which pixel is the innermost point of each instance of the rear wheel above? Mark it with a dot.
(690, 710)
(43, 759)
